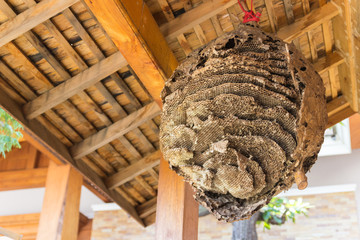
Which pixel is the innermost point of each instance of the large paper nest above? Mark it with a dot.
(241, 116)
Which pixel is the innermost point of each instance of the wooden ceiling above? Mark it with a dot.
(84, 77)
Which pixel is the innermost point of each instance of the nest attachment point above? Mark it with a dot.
(242, 118)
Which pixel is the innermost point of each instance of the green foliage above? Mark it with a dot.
(9, 132)
(279, 210)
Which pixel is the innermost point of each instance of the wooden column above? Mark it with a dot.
(59, 217)
(134, 31)
(177, 213)
(85, 231)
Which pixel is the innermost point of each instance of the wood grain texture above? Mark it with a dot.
(31, 18)
(74, 85)
(135, 32)
(331, 60)
(177, 211)
(194, 17)
(10, 234)
(338, 110)
(271, 15)
(50, 224)
(26, 224)
(310, 21)
(134, 170)
(354, 122)
(147, 208)
(23, 179)
(51, 146)
(344, 42)
(115, 130)
(339, 116)
(71, 215)
(336, 105)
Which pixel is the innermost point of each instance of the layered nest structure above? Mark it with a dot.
(241, 116)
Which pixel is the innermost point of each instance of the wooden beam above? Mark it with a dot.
(127, 23)
(147, 208)
(26, 224)
(338, 110)
(354, 122)
(339, 116)
(50, 224)
(59, 218)
(177, 211)
(135, 32)
(51, 146)
(331, 60)
(336, 105)
(134, 170)
(344, 42)
(23, 179)
(30, 18)
(194, 17)
(71, 215)
(115, 130)
(70, 87)
(132, 28)
(310, 21)
(85, 231)
(10, 234)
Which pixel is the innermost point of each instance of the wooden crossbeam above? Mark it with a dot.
(51, 146)
(27, 224)
(336, 105)
(134, 170)
(331, 60)
(338, 109)
(115, 130)
(147, 208)
(194, 17)
(31, 18)
(70, 87)
(10, 234)
(23, 179)
(310, 21)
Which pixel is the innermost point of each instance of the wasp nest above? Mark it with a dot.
(241, 116)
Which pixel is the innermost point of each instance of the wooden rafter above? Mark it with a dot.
(31, 18)
(338, 110)
(48, 144)
(147, 208)
(331, 60)
(115, 130)
(134, 170)
(310, 21)
(23, 179)
(194, 17)
(74, 85)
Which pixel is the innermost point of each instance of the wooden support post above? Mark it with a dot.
(60, 212)
(134, 31)
(176, 212)
(85, 231)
